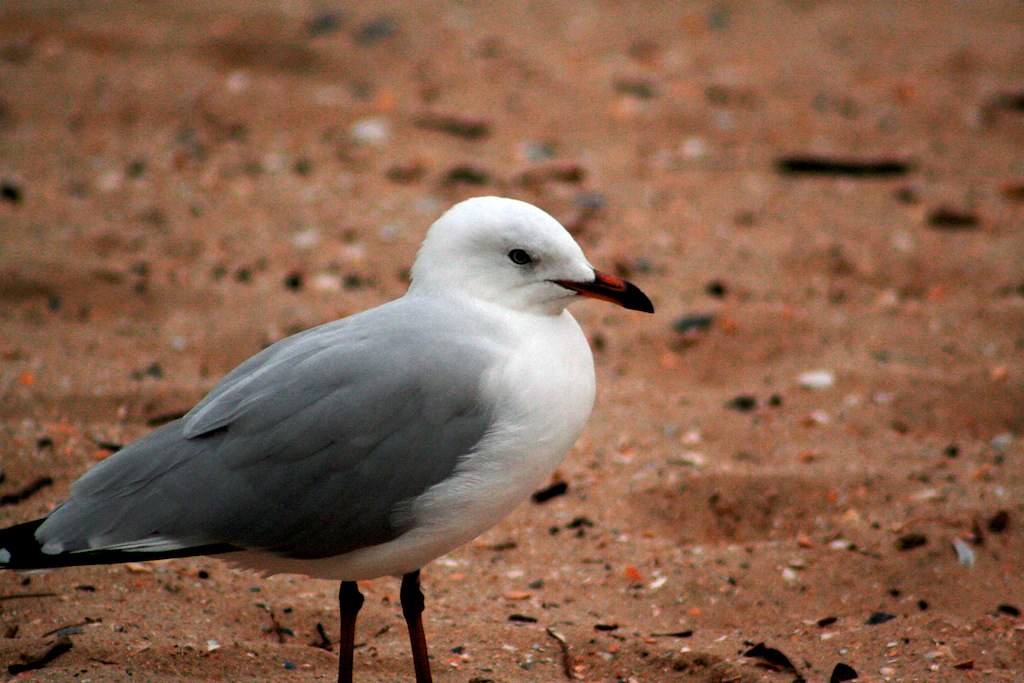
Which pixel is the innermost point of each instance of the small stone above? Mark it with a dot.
(457, 124)
(999, 522)
(693, 323)
(374, 131)
(326, 282)
(110, 181)
(466, 175)
(816, 379)
(843, 672)
(306, 239)
(694, 148)
(743, 403)
(518, 595)
(964, 553)
(10, 191)
(559, 488)
(1001, 442)
(406, 173)
(641, 88)
(911, 541)
(522, 619)
(879, 618)
(237, 81)
(689, 459)
(375, 31)
(537, 151)
(949, 218)
(293, 280)
(324, 23)
(716, 288)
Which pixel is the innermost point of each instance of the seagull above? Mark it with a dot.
(370, 445)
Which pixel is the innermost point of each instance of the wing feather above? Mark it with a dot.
(308, 448)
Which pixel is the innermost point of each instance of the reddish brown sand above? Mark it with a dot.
(184, 182)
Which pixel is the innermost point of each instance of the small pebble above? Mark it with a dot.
(843, 672)
(816, 379)
(237, 82)
(689, 459)
(964, 553)
(590, 201)
(716, 288)
(693, 323)
(640, 88)
(457, 124)
(879, 618)
(375, 31)
(544, 495)
(911, 541)
(811, 164)
(326, 282)
(947, 218)
(306, 239)
(324, 23)
(406, 173)
(522, 619)
(559, 171)
(537, 151)
(999, 522)
(1001, 442)
(694, 148)
(743, 403)
(466, 175)
(372, 131)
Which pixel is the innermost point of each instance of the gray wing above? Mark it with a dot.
(308, 448)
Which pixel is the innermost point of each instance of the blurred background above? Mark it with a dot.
(815, 443)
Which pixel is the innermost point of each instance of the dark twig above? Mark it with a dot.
(26, 491)
(27, 595)
(566, 656)
(30, 662)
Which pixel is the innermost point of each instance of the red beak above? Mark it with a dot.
(610, 288)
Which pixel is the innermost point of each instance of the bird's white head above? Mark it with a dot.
(511, 253)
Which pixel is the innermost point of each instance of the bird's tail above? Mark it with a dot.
(19, 549)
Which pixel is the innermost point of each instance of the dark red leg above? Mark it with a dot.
(349, 602)
(412, 609)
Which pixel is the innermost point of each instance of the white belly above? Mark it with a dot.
(533, 431)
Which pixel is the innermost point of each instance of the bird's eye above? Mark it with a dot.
(519, 257)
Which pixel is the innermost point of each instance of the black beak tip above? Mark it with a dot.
(636, 300)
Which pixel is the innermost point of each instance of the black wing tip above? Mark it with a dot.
(19, 550)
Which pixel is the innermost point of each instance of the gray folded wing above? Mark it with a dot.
(308, 448)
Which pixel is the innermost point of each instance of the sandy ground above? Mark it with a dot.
(184, 182)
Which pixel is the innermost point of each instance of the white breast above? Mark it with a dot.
(547, 385)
